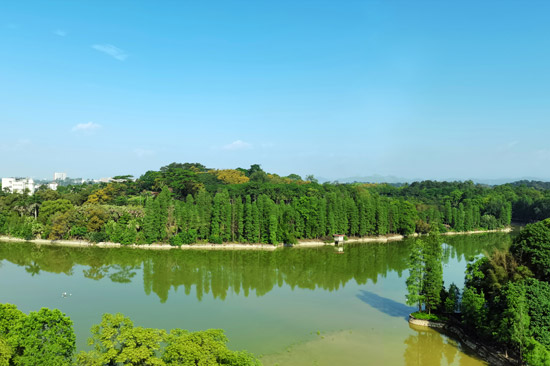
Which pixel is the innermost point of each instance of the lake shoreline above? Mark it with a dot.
(232, 246)
(455, 329)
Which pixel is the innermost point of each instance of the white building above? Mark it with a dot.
(18, 185)
(59, 176)
(53, 186)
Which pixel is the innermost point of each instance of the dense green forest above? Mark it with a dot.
(506, 297)
(47, 337)
(188, 203)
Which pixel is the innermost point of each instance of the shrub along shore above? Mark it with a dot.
(228, 246)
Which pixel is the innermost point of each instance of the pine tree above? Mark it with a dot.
(432, 283)
(151, 220)
(164, 212)
(248, 221)
(381, 217)
(255, 232)
(204, 210)
(448, 213)
(273, 226)
(353, 214)
(215, 219)
(225, 216)
(414, 282)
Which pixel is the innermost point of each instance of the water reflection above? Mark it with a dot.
(221, 272)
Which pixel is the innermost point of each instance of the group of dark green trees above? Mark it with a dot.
(425, 280)
(46, 337)
(188, 203)
(506, 298)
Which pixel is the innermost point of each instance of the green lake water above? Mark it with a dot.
(292, 306)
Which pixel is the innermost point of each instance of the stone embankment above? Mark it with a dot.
(484, 351)
(228, 246)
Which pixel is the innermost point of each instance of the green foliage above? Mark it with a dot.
(116, 341)
(514, 320)
(415, 295)
(537, 295)
(49, 208)
(251, 205)
(432, 283)
(503, 302)
(536, 354)
(79, 232)
(11, 320)
(532, 248)
(425, 281)
(474, 309)
(215, 239)
(45, 337)
(5, 352)
(452, 302)
(97, 237)
(202, 348)
(430, 317)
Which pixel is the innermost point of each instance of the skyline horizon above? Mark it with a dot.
(374, 177)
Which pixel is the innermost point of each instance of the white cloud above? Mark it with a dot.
(140, 153)
(88, 127)
(237, 145)
(111, 50)
(60, 32)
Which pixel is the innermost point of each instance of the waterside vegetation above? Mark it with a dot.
(506, 298)
(188, 203)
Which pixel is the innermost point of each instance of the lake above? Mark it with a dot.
(292, 306)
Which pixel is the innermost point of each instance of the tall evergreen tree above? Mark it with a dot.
(248, 220)
(151, 220)
(415, 295)
(433, 272)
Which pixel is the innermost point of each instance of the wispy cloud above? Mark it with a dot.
(60, 32)
(141, 153)
(237, 145)
(111, 50)
(87, 127)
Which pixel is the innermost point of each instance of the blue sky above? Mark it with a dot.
(431, 90)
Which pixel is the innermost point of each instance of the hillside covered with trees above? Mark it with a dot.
(189, 203)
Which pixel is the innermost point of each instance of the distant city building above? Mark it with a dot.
(59, 176)
(53, 186)
(105, 180)
(18, 185)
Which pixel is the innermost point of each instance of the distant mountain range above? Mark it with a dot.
(377, 178)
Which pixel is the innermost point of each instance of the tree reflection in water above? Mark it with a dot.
(219, 273)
